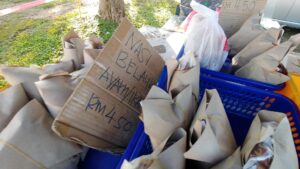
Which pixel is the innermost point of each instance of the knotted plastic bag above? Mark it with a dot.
(205, 42)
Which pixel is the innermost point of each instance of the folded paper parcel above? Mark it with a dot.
(103, 110)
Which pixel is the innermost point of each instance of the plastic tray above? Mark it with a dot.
(241, 104)
(230, 77)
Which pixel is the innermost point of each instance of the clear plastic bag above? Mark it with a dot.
(205, 40)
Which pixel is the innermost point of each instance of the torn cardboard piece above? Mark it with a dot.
(235, 12)
(103, 110)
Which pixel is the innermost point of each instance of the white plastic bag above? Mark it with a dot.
(205, 40)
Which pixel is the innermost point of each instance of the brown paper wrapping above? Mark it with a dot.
(285, 155)
(67, 66)
(177, 79)
(26, 76)
(90, 55)
(160, 109)
(232, 162)
(262, 43)
(12, 99)
(214, 140)
(73, 49)
(170, 157)
(250, 29)
(263, 67)
(55, 91)
(28, 142)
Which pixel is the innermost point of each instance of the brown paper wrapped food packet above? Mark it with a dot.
(264, 67)
(232, 162)
(143, 162)
(55, 89)
(93, 50)
(210, 136)
(178, 79)
(73, 49)
(12, 100)
(67, 66)
(263, 42)
(169, 156)
(95, 42)
(90, 55)
(247, 33)
(293, 62)
(163, 114)
(25, 75)
(28, 142)
(284, 152)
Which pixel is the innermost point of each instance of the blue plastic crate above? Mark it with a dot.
(230, 77)
(241, 104)
(233, 90)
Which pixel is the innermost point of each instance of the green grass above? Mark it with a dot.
(106, 28)
(35, 41)
(3, 83)
(140, 13)
(150, 12)
(38, 41)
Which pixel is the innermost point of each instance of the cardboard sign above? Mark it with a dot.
(103, 111)
(235, 12)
